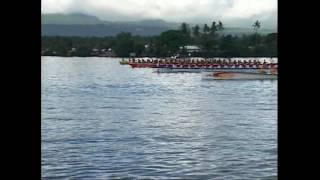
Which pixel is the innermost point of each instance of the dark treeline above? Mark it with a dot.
(207, 39)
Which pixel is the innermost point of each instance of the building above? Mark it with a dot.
(190, 48)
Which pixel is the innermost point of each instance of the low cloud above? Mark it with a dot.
(195, 11)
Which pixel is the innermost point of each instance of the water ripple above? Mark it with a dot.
(101, 120)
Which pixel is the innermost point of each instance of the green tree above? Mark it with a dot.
(185, 31)
(169, 42)
(196, 31)
(138, 48)
(184, 28)
(229, 46)
(124, 44)
(271, 44)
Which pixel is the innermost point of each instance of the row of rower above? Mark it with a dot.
(265, 66)
(202, 63)
(195, 61)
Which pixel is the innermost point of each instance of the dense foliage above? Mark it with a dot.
(169, 43)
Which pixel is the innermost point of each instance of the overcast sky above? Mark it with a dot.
(193, 11)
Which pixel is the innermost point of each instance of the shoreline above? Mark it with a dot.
(158, 57)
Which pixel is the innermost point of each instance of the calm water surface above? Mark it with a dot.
(101, 120)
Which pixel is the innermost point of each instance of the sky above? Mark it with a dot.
(235, 12)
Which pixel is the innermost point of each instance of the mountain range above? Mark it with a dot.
(86, 25)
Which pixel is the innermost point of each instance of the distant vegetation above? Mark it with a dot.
(100, 30)
(207, 38)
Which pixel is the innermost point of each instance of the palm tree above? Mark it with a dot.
(184, 28)
(256, 26)
(206, 29)
(196, 31)
(213, 28)
(220, 26)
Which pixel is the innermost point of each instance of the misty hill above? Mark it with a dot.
(86, 25)
(69, 19)
(99, 30)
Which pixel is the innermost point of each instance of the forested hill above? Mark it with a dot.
(84, 25)
(99, 30)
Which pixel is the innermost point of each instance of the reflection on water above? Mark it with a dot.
(101, 120)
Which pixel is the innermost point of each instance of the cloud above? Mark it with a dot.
(169, 10)
(56, 6)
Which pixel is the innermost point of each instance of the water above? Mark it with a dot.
(101, 120)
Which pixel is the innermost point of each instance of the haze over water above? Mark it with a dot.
(101, 120)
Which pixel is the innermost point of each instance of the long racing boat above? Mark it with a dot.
(124, 62)
(270, 73)
(237, 76)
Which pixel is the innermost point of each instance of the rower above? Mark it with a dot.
(232, 65)
(255, 62)
(241, 65)
(269, 65)
(234, 62)
(265, 64)
(244, 64)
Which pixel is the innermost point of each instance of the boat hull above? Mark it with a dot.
(199, 70)
(123, 63)
(141, 65)
(237, 76)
